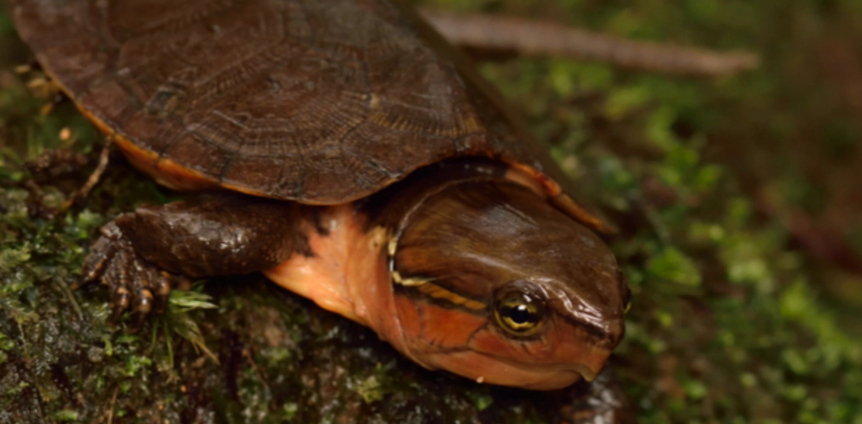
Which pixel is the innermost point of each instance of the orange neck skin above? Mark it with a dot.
(348, 273)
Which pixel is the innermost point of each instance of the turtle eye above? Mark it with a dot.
(519, 313)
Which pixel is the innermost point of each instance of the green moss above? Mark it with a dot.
(66, 415)
(672, 266)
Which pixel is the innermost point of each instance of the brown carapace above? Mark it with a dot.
(363, 164)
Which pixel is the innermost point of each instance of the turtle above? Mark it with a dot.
(347, 152)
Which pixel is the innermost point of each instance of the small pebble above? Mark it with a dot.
(95, 354)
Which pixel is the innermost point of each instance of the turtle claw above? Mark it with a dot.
(162, 291)
(136, 285)
(101, 254)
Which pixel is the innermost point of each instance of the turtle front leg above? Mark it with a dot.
(141, 255)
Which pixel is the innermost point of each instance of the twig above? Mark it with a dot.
(548, 39)
(113, 400)
(94, 177)
(71, 298)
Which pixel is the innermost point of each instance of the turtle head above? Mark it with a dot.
(493, 283)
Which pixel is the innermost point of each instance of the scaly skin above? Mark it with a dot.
(143, 254)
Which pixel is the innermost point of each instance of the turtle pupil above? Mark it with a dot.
(520, 314)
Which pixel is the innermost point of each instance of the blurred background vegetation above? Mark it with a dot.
(738, 200)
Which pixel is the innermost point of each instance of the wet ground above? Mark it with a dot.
(740, 227)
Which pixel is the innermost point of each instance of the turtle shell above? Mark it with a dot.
(317, 101)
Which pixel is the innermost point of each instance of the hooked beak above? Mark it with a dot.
(591, 362)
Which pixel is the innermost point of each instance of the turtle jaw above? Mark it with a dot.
(487, 368)
(553, 360)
